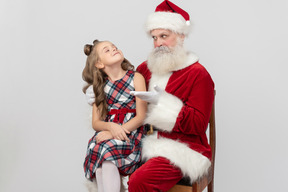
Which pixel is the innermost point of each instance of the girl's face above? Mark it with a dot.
(108, 54)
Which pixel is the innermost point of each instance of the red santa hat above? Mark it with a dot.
(167, 15)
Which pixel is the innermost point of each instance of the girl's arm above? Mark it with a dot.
(141, 106)
(98, 125)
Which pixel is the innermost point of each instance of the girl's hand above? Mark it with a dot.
(118, 132)
(103, 135)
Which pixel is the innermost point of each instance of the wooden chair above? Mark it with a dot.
(207, 180)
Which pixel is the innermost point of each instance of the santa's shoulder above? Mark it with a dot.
(143, 69)
(192, 73)
(195, 68)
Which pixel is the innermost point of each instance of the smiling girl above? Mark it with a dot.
(115, 149)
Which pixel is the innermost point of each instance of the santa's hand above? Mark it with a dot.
(149, 96)
(90, 96)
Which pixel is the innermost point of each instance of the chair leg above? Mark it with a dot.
(195, 187)
(211, 186)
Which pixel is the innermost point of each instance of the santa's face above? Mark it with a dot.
(164, 37)
(168, 53)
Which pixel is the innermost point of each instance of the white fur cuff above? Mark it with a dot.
(164, 115)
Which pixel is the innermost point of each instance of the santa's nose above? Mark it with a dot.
(158, 43)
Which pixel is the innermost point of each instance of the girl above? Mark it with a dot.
(115, 149)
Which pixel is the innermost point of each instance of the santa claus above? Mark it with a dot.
(180, 97)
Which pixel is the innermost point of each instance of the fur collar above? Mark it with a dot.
(191, 59)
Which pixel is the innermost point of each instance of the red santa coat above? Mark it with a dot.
(181, 117)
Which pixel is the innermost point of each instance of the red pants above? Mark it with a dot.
(157, 174)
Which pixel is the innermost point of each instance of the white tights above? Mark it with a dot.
(108, 177)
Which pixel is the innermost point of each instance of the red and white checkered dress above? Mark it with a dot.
(121, 108)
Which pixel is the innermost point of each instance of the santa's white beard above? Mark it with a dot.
(164, 59)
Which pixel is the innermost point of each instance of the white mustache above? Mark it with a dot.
(162, 49)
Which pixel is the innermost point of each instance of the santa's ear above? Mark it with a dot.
(182, 37)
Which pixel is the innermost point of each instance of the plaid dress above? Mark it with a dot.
(121, 108)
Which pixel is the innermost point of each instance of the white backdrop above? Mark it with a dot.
(44, 115)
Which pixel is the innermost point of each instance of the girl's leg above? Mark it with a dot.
(110, 177)
(99, 179)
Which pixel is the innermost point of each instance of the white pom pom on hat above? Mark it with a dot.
(167, 15)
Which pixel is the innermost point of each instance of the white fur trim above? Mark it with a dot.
(191, 59)
(159, 80)
(167, 20)
(191, 163)
(91, 185)
(164, 115)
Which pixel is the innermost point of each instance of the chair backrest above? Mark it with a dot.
(212, 135)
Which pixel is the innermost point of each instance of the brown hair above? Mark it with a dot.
(97, 77)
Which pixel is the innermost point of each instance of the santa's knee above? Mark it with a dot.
(137, 182)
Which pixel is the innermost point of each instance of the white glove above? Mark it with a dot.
(149, 96)
(90, 96)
